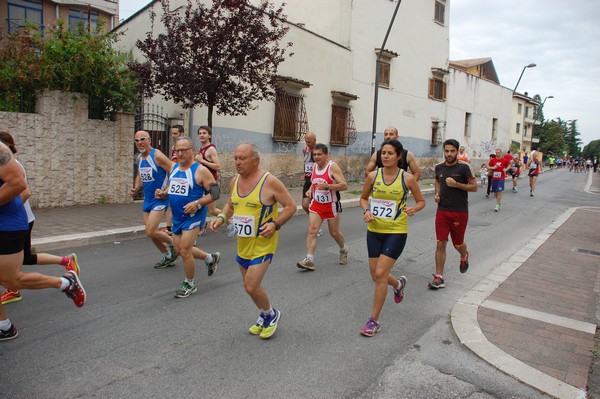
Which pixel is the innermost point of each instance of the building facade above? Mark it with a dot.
(523, 121)
(15, 15)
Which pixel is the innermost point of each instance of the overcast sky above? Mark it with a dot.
(562, 37)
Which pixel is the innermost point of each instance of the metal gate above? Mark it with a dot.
(151, 118)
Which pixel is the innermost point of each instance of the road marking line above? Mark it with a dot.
(541, 316)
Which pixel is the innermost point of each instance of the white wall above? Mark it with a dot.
(340, 55)
(484, 100)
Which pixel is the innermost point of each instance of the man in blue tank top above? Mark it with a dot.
(190, 189)
(153, 167)
(13, 228)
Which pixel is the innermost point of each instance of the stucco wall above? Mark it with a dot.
(69, 159)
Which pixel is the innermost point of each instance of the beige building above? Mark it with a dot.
(523, 121)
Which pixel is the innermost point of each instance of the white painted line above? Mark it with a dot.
(540, 316)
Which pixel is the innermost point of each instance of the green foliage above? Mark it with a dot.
(552, 137)
(592, 150)
(70, 61)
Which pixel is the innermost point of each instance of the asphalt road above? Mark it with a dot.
(134, 339)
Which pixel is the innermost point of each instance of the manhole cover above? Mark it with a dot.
(587, 251)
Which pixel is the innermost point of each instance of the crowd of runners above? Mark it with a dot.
(182, 189)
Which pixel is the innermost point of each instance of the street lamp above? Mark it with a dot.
(532, 65)
(545, 98)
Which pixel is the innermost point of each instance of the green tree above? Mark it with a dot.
(552, 137)
(71, 61)
(592, 150)
(572, 138)
(224, 57)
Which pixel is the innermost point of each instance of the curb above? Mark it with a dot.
(45, 244)
(466, 326)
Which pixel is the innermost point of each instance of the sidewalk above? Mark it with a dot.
(534, 317)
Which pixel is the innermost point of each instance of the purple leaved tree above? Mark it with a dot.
(224, 57)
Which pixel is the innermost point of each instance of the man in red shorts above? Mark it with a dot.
(453, 181)
(326, 180)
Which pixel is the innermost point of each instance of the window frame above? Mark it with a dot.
(439, 12)
(343, 129)
(26, 5)
(437, 89)
(290, 122)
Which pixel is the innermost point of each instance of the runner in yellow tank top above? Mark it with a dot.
(387, 203)
(254, 200)
(386, 215)
(251, 214)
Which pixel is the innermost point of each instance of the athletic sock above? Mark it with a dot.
(5, 325)
(64, 261)
(208, 259)
(64, 283)
(310, 257)
(191, 282)
(269, 312)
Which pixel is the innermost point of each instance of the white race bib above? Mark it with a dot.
(146, 174)
(497, 174)
(382, 208)
(308, 167)
(244, 226)
(323, 196)
(179, 186)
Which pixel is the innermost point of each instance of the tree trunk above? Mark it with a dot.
(210, 113)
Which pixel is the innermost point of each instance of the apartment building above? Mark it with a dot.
(15, 15)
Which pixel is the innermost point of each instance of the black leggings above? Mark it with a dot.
(489, 187)
(28, 257)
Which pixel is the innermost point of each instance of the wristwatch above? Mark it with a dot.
(277, 225)
(365, 210)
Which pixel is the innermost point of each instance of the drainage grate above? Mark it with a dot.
(586, 251)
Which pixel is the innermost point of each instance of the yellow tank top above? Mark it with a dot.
(387, 201)
(250, 214)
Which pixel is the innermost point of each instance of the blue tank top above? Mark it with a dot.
(12, 215)
(153, 176)
(183, 189)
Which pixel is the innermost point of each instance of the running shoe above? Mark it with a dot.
(231, 230)
(10, 297)
(371, 328)
(307, 264)
(320, 233)
(343, 256)
(257, 328)
(270, 324)
(464, 264)
(73, 264)
(203, 229)
(172, 254)
(11, 333)
(75, 290)
(438, 282)
(185, 290)
(212, 266)
(530, 193)
(497, 208)
(399, 293)
(164, 262)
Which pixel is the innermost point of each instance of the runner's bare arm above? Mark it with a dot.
(372, 164)
(12, 176)
(338, 176)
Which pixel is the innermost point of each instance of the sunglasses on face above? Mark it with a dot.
(141, 139)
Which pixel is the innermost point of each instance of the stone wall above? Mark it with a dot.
(71, 160)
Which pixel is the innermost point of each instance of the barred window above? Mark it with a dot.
(343, 129)
(291, 121)
(436, 134)
(384, 73)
